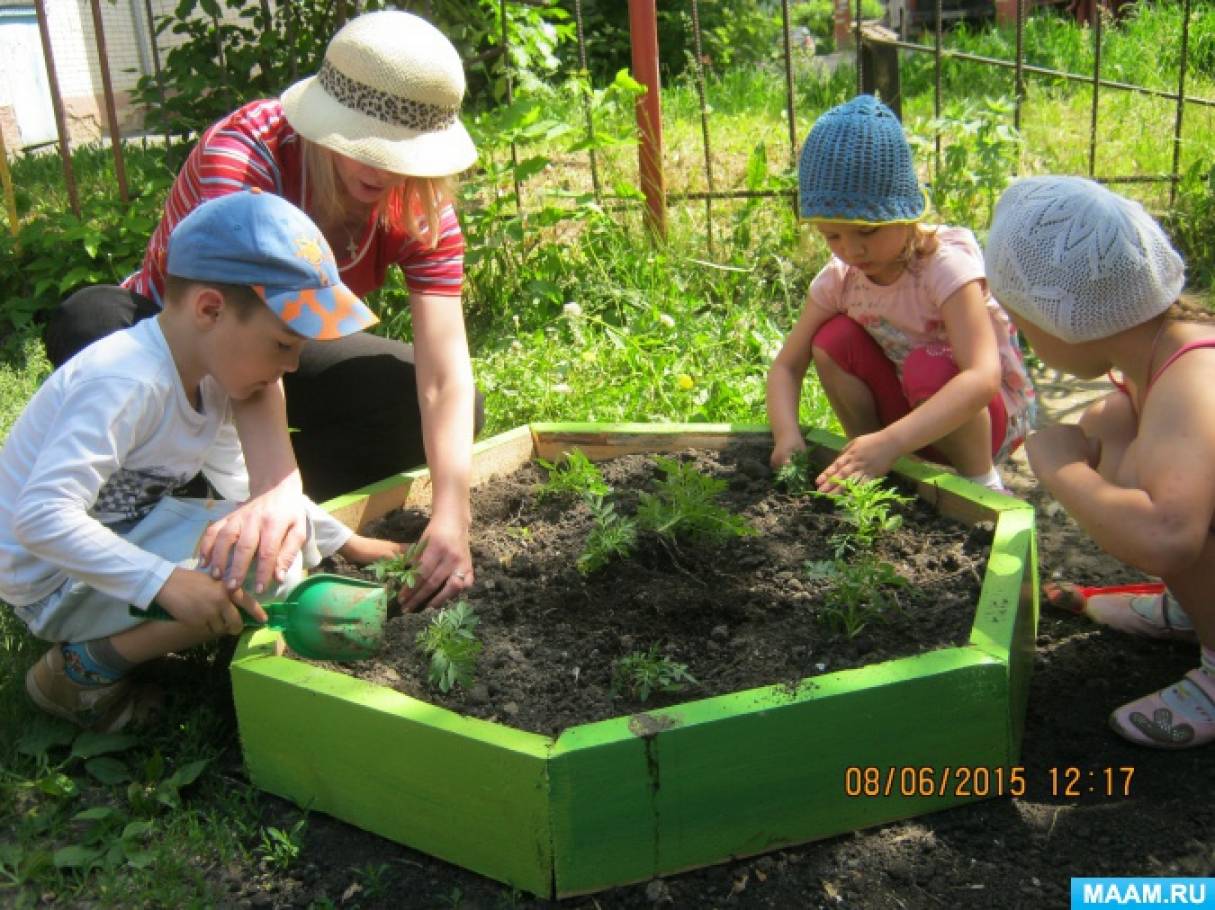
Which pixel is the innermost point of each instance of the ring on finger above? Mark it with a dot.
(459, 575)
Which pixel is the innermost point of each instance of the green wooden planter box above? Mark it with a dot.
(629, 798)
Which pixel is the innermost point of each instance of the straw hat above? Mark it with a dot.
(388, 94)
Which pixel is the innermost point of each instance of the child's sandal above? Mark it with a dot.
(1145, 609)
(1177, 717)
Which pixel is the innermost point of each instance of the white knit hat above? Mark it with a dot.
(388, 94)
(1079, 261)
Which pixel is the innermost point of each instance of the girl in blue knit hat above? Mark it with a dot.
(914, 354)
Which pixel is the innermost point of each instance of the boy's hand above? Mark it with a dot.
(445, 568)
(271, 527)
(863, 458)
(783, 450)
(195, 599)
(362, 550)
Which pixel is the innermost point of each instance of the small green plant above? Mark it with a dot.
(612, 536)
(856, 592)
(280, 847)
(451, 642)
(574, 474)
(641, 673)
(400, 571)
(684, 506)
(866, 505)
(797, 475)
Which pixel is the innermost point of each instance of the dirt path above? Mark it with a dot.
(1001, 853)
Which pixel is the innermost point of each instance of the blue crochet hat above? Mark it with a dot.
(856, 166)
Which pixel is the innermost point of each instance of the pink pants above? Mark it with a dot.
(925, 371)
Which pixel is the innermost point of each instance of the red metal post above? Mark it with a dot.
(843, 23)
(111, 113)
(1006, 11)
(65, 145)
(643, 29)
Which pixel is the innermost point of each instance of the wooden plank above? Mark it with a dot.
(468, 791)
(611, 440)
(492, 457)
(746, 773)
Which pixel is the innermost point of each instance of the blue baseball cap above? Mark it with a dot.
(263, 241)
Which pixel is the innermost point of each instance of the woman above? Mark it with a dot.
(367, 147)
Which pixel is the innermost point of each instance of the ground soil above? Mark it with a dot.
(1000, 853)
(736, 614)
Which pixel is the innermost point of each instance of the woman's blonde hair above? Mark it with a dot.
(416, 204)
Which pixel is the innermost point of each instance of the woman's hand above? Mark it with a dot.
(271, 527)
(445, 568)
(783, 449)
(863, 458)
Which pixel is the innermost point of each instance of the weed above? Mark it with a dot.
(866, 505)
(573, 474)
(374, 879)
(683, 506)
(400, 571)
(797, 475)
(452, 644)
(281, 848)
(856, 592)
(641, 673)
(612, 536)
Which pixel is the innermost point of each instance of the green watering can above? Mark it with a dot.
(325, 617)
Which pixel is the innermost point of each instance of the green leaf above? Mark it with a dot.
(44, 736)
(95, 814)
(188, 773)
(89, 744)
(108, 770)
(58, 785)
(76, 857)
(137, 829)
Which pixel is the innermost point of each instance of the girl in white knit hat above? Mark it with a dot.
(1093, 283)
(367, 147)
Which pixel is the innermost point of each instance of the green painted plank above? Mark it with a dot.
(1008, 568)
(400, 768)
(975, 492)
(751, 782)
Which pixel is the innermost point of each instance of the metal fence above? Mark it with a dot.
(877, 69)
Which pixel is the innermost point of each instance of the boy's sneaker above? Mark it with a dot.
(105, 709)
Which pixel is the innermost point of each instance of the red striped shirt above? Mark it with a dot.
(256, 147)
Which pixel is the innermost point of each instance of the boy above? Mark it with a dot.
(87, 527)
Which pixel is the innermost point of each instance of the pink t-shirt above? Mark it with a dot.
(906, 314)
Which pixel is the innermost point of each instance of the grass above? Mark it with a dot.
(675, 332)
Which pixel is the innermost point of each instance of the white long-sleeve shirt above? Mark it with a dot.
(108, 435)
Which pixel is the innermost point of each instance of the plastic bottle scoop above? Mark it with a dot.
(324, 617)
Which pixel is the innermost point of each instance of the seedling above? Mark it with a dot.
(452, 644)
(797, 475)
(684, 507)
(612, 536)
(857, 592)
(866, 505)
(642, 673)
(400, 571)
(574, 474)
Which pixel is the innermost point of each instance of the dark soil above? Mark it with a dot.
(999, 854)
(738, 614)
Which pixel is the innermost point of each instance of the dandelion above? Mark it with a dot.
(685, 381)
(588, 356)
(572, 309)
(666, 320)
